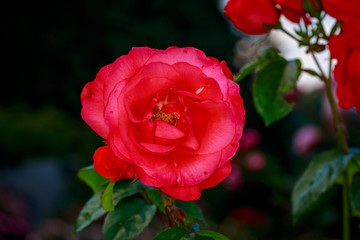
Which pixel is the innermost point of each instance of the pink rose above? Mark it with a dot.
(172, 118)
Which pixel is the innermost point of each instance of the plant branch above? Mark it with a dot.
(322, 73)
(166, 207)
(147, 199)
(346, 210)
(356, 164)
(341, 142)
(280, 27)
(340, 133)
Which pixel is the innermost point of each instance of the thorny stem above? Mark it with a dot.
(166, 207)
(146, 197)
(180, 219)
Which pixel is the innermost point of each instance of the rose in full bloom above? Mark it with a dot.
(250, 16)
(345, 47)
(341, 9)
(172, 118)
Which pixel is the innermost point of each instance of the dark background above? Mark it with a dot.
(52, 49)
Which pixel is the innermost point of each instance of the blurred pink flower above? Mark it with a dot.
(235, 180)
(250, 139)
(255, 161)
(305, 139)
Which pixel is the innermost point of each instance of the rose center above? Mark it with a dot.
(158, 114)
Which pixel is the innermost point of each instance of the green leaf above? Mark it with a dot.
(190, 208)
(246, 70)
(92, 178)
(115, 192)
(272, 81)
(354, 192)
(353, 167)
(125, 188)
(174, 233)
(319, 176)
(212, 235)
(269, 54)
(130, 217)
(290, 76)
(107, 198)
(91, 211)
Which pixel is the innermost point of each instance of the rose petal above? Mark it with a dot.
(146, 84)
(206, 88)
(168, 131)
(110, 166)
(197, 58)
(127, 66)
(214, 125)
(191, 142)
(183, 193)
(195, 169)
(219, 175)
(157, 148)
(92, 100)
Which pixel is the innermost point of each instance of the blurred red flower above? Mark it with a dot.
(345, 47)
(341, 10)
(250, 16)
(293, 10)
(250, 215)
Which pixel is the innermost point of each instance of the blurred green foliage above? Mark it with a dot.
(54, 48)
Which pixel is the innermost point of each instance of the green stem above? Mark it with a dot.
(346, 210)
(356, 164)
(342, 144)
(322, 76)
(340, 133)
(166, 208)
(321, 27)
(288, 33)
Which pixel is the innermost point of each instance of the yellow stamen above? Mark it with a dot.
(166, 117)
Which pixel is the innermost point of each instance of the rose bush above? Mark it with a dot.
(250, 16)
(172, 118)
